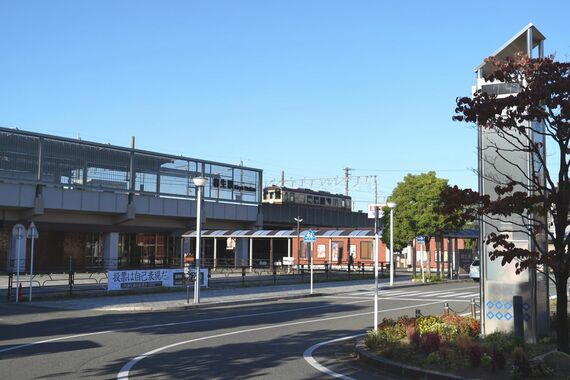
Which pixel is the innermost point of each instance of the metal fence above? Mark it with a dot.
(68, 163)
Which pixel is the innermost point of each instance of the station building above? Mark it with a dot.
(107, 206)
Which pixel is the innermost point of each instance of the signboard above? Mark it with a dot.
(310, 237)
(372, 210)
(149, 278)
(421, 239)
(287, 261)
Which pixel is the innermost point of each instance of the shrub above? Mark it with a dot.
(464, 343)
(427, 323)
(394, 333)
(406, 321)
(386, 322)
(498, 360)
(430, 342)
(464, 325)
(434, 358)
(372, 339)
(415, 339)
(500, 341)
(521, 364)
(475, 354)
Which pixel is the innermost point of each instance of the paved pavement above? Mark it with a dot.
(264, 339)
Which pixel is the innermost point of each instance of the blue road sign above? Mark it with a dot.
(310, 237)
(420, 239)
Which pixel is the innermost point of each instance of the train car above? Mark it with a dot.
(284, 195)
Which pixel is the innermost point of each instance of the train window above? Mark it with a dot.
(335, 202)
(271, 194)
(292, 197)
(343, 203)
(278, 194)
(322, 201)
(265, 194)
(310, 199)
(328, 201)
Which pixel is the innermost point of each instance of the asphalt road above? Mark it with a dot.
(260, 340)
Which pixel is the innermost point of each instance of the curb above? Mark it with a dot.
(399, 369)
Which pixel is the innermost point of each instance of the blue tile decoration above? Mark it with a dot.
(490, 304)
(499, 305)
(508, 316)
(499, 315)
(508, 305)
(490, 315)
(526, 306)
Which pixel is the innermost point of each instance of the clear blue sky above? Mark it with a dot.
(308, 87)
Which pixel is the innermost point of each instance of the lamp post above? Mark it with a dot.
(200, 182)
(298, 220)
(392, 205)
(376, 245)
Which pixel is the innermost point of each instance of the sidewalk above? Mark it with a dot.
(177, 300)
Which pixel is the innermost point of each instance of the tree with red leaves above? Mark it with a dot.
(536, 116)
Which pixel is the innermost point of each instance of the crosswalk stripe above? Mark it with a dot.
(472, 295)
(436, 294)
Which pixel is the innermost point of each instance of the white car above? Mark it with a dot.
(474, 272)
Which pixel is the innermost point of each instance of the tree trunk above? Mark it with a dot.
(562, 314)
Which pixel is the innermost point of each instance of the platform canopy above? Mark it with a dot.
(283, 234)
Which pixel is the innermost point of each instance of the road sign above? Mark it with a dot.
(310, 237)
(32, 232)
(421, 239)
(372, 210)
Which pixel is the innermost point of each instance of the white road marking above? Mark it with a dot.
(472, 295)
(308, 355)
(124, 372)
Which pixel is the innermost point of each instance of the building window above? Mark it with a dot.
(322, 201)
(93, 249)
(366, 250)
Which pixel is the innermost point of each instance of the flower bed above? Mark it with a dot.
(452, 344)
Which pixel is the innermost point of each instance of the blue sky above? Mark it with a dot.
(306, 86)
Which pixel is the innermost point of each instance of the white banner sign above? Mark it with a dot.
(148, 278)
(372, 210)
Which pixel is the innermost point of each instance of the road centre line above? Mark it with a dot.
(172, 324)
(308, 356)
(124, 372)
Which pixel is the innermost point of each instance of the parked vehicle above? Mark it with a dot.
(474, 272)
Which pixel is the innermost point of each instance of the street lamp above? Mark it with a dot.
(200, 182)
(298, 220)
(392, 205)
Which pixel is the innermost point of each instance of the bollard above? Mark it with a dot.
(518, 317)
(473, 311)
(20, 293)
(446, 308)
(302, 272)
(274, 276)
(418, 313)
(327, 270)
(362, 269)
(349, 271)
(382, 270)
(242, 276)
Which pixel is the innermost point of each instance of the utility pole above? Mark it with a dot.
(375, 189)
(282, 178)
(346, 179)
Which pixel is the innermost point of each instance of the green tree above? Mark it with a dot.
(418, 203)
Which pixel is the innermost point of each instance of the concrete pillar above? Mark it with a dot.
(271, 264)
(250, 254)
(110, 250)
(215, 253)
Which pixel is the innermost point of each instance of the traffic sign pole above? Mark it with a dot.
(376, 268)
(32, 234)
(312, 246)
